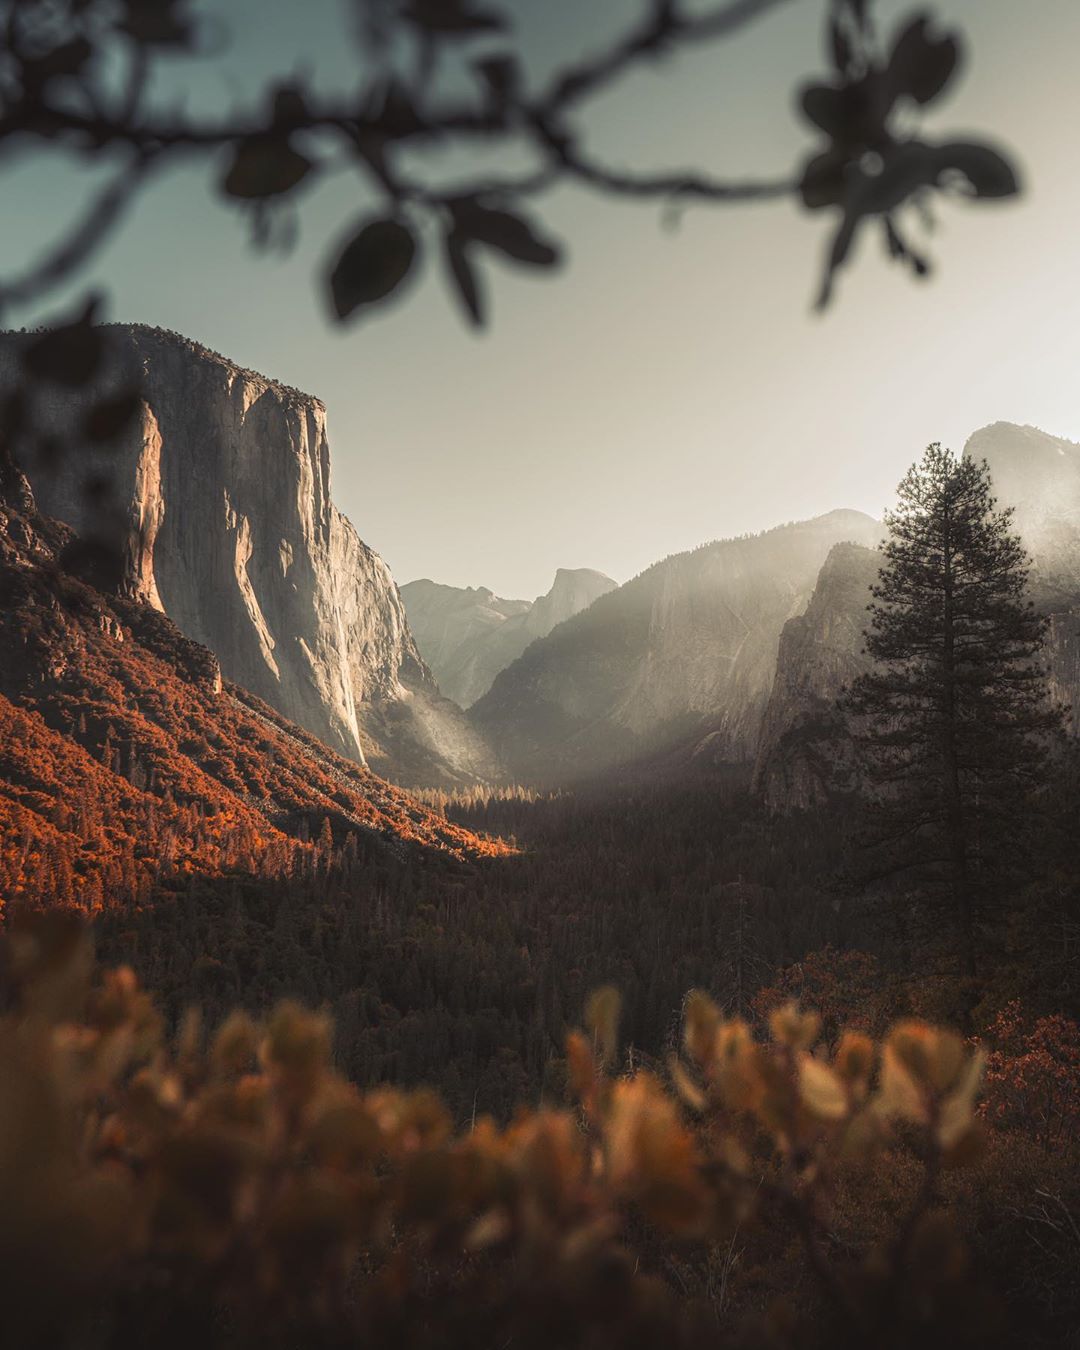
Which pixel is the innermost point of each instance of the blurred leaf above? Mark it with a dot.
(265, 166)
(453, 18)
(687, 1089)
(921, 65)
(156, 22)
(701, 1022)
(466, 282)
(855, 1058)
(66, 59)
(289, 105)
(112, 416)
(580, 1067)
(821, 1090)
(71, 354)
(841, 47)
(958, 1109)
(502, 230)
(824, 180)
(371, 266)
(827, 107)
(501, 74)
(602, 1018)
(793, 1028)
(986, 169)
(910, 166)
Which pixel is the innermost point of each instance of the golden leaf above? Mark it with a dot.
(685, 1086)
(701, 1020)
(602, 1018)
(792, 1028)
(821, 1089)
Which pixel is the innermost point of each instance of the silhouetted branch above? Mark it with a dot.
(54, 92)
(665, 26)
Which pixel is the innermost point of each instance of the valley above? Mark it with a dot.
(241, 766)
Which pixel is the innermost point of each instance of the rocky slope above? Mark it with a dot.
(467, 635)
(127, 764)
(684, 651)
(802, 748)
(803, 743)
(1038, 475)
(224, 482)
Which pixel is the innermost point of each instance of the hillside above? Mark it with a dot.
(126, 761)
(683, 651)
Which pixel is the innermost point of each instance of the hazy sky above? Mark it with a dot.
(666, 387)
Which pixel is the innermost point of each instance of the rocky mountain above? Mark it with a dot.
(223, 480)
(467, 635)
(686, 650)
(1038, 475)
(803, 740)
(802, 743)
(128, 764)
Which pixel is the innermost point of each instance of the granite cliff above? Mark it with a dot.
(685, 651)
(128, 765)
(803, 749)
(224, 483)
(467, 635)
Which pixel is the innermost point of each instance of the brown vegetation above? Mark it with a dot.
(232, 1188)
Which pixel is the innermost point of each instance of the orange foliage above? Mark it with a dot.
(124, 761)
(238, 1173)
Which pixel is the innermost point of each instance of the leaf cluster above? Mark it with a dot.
(237, 1174)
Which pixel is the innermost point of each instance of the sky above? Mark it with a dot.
(666, 386)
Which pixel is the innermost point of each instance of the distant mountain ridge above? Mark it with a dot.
(224, 481)
(467, 635)
(685, 650)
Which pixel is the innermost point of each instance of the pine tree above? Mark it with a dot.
(955, 719)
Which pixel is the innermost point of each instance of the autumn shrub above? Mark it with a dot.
(848, 989)
(231, 1188)
(1033, 1075)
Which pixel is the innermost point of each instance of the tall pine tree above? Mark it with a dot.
(955, 719)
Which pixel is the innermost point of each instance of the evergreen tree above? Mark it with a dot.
(955, 719)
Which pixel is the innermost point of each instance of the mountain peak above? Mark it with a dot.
(467, 635)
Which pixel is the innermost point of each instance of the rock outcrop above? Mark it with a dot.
(467, 635)
(803, 749)
(684, 651)
(224, 483)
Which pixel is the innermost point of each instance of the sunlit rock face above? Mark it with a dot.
(224, 483)
(804, 752)
(467, 635)
(1038, 475)
(685, 651)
